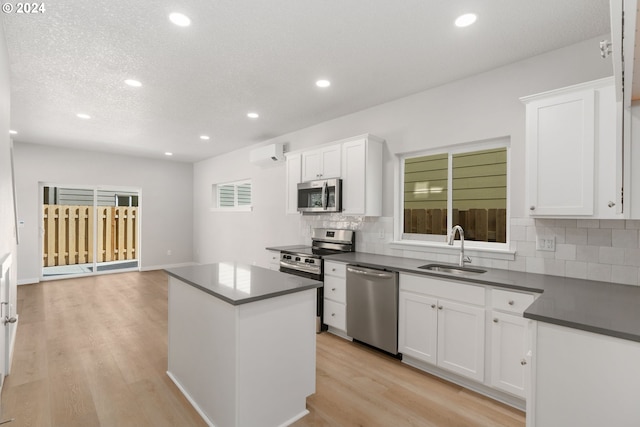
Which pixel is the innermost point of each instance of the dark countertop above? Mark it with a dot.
(238, 283)
(601, 307)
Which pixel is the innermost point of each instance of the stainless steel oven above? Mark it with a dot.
(306, 261)
(320, 196)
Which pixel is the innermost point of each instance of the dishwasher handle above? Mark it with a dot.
(370, 272)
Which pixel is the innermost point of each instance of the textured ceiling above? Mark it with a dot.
(245, 55)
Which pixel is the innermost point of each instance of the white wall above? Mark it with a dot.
(166, 199)
(7, 217)
(481, 107)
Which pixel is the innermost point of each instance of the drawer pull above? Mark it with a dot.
(333, 289)
(523, 362)
(440, 307)
(495, 320)
(333, 314)
(433, 306)
(511, 302)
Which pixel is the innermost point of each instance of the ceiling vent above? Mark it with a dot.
(268, 154)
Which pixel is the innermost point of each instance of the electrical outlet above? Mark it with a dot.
(381, 233)
(546, 243)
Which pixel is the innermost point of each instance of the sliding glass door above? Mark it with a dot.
(87, 230)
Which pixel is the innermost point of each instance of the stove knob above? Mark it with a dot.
(311, 261)
(297, 258)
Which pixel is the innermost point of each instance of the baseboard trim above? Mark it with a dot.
(188, 397)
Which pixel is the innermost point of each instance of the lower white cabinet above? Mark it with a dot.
(509, 347)
(335, 296)
(449, 334)
(273, 260)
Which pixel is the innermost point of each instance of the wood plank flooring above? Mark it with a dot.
(92, 351)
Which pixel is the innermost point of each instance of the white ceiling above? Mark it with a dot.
(254, 55)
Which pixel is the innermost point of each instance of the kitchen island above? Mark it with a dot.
(241, 342)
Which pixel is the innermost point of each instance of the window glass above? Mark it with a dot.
(447, 189)
(425, 194)
(232, 196)
(479, 199)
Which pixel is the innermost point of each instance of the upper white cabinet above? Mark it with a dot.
(321, 163)
(572, 143)
(362, 176)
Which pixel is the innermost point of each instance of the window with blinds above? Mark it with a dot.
(232, 196)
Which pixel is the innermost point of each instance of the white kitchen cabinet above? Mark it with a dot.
(584, 379)
(335, 297)
(294, 177)
(436, 329)
(509, 347)
(572, 140)
(418, 326)
(510, 341)
(273, 260)
(321, 163)
(362, 176)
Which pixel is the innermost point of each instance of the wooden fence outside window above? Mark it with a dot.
(487, 225)
(68, 234)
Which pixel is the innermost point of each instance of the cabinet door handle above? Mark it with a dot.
(495, 320)
(333, 314)
(523, 362)
(511, 302)
(532, 208)
(611, 204)
(333, 289)
(439, 307)
(433, 306)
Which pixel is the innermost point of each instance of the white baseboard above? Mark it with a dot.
(188, 397)
(30, 281)
(162, 267)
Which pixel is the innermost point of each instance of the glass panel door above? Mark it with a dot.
(88, 230)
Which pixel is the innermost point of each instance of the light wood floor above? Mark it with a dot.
(93, 352)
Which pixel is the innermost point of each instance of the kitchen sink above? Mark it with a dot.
(452, 269)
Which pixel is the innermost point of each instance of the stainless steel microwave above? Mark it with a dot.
(320, 196)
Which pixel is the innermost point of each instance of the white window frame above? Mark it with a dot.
(438, 243)
(235, 208)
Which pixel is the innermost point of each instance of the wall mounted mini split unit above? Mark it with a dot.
(268, 154)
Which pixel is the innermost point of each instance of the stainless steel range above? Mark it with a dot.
(306, 261)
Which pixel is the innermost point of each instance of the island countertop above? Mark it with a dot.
(237, 283)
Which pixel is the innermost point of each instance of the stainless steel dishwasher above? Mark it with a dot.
(372, 307)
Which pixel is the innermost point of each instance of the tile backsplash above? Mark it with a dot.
(605, 250)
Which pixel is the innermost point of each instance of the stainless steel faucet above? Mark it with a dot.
(452, 237)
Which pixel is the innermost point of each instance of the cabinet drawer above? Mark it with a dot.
(335, 269)
(513, 302)
(335, 289)
(335, 314)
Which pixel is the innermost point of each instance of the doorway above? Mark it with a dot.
(89, 230)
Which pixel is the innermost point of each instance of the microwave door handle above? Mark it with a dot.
(325, 196)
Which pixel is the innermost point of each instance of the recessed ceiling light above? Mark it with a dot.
(466, 20)
(168, 154)
(83, 116)
(133, 83)
(323, 83)
(204, 137)
(180, 20)
(253, 115)
(13, 132)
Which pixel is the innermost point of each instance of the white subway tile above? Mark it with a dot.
(566, 252)
(577, 269)
(600, 272)
(554, 267)
(534, 265)
(587, 253)
(624, 238)
(518, 232)
(526, 248)
(526, 222)
(611, 223)
(624, 274)
(544, 222)
(632, 257)
(531, 234)
(588, 223)
(612, 256)
(599, 237)
(545, 254)
(576, 236)
(519, 264)
(500, 263)
(632, 224)
(566, 223)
